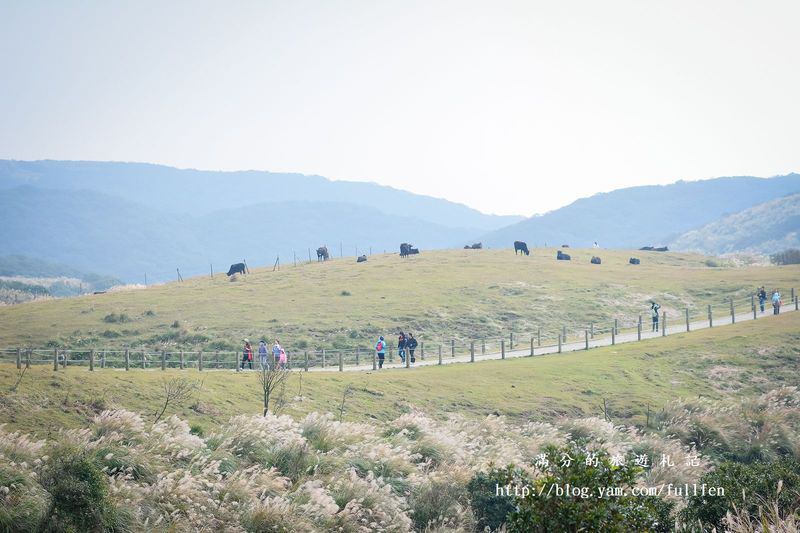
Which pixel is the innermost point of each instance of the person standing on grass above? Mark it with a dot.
(276, 353)
(262, 353)
(776, 302)
(411, 344)
(401, 346)
(654, 308)
(380, 350)
(283, 359)
(762, 297)
(247, 355)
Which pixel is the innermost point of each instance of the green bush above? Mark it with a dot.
(543, 509)
(489, 509)
(746, 486)
(114, 318)
(78, 490)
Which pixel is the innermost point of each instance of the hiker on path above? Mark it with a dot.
(283, 359)
(762, 297)
(262, 353)
(654, 307)
(411, 345)
(401, 346)
(276, 353)
(776, 302)
(380, 350)
(247, 355)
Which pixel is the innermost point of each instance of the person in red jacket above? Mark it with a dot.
(247, 355)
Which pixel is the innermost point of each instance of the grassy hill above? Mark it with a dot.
(733, 362)
(459, 294)
(767, 228)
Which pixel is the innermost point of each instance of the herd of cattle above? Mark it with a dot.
(406, 249)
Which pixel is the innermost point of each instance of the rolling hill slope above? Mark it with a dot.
(439, 296)
(766, 228)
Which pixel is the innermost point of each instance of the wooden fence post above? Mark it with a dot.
(452, 348)
(323, 358)
(200, 361)
(502, 349)
(182, 362)
(613, 336)
(341, 362)
(564, 334)
(538, 336)
(511, 341)
(127, 359)
(55, 359)
(559, 344)
(440, 354)
(422, 350)
(19, 358)
(793, 293)
(710, 317)
(144, 360)
(639, 330)
(91, 361)
(305, 354)
(664, 325)
(163, 360)
(795, 303)
(591, 329)
(471, 351)
(755, 314)
(358, 355)
(616, 328)
(103, 360)
(374, 360)
(408, 359)
(531, 345)
(733, 315)
(640, 322)
(586, 338)
(752, 302)
(687, 319)
(483, 346)
(28, 359)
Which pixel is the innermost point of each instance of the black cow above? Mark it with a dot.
(520, 246)
(633, 261)
(662, 249)
(595, 260)
(407, 249)
(236, 268)
(561, 256)
(646, 248)
(565, 245)
(322, 253)
(361, 259)
(476, 246)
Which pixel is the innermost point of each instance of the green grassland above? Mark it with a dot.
(438, 295)
(731, 362)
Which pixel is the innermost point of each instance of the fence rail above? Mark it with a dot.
(570, 337)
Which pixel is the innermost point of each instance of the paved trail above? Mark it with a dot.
(675, 326)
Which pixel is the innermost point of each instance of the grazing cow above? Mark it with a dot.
(520, 246)
(561, 256)
(646, 248)
(633, 261)
(322, 253)
(565, 245)
(361, 258)
(595, 260)
(236, 268)
(662, 249)
(412, 251)
(476, 246)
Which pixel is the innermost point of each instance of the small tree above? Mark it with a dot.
(176, 390)
(270, 378)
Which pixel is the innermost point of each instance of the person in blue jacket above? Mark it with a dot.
(380, 350)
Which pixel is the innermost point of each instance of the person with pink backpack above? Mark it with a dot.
(283, 359)
(380, 350)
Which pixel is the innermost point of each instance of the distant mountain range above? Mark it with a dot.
(643, 216)
(130, 219)
(767, 228)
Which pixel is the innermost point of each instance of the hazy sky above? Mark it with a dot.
(509, 107)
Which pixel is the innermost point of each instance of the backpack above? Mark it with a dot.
(379, 346)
